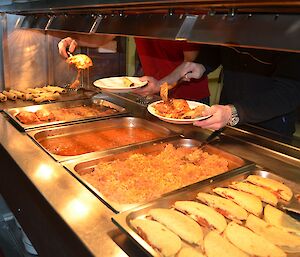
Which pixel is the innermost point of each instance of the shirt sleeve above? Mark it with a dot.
(282, 98)
(209, 57)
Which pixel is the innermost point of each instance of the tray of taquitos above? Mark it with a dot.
(52, 114)
(136, 175)
(81, 139)
(238, 215)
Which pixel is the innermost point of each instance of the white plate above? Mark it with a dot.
(117, 85)
(192, 104)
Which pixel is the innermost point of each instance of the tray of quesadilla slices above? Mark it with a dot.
(229, 217)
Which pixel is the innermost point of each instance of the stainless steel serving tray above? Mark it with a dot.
(101, 125)
(122, 220)
(97, 102)
(84, 165)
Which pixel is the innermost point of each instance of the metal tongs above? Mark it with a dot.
(212, 137)
(165, 87)
(293, 207)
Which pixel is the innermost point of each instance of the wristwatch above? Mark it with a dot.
(234, 120)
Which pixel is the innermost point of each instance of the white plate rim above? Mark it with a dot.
(116, 88)
(192, 104)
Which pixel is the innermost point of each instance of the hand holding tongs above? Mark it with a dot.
(165, 87)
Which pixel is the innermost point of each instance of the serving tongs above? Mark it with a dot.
(165, 87)
(292, 207)
(211, 137)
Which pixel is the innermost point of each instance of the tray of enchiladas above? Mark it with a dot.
(133, 176)
(51, 114)
(233, 215)
(75, 140)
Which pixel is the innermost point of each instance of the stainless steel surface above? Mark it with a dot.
(122, 220)
(77, 23)
(85, 165)
(266, 31)
(92, 102)
(2, 36)
(87, 217)
(83, 213)
(34, 22)
(143, 25)
(103, 125)
(88, 5)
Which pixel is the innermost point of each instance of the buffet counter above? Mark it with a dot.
(64, 218)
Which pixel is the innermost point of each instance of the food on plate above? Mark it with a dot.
(140, 177)
(278, 188)
(227, 208)
(158, 236)
(285, 240)
(196, 112)
(247, 201)
(178, 109)
(203, 214)
(282, 220)
(216, 245)
(68, 113)
(127, 82)
(3, 97)
(81, 61)
(180, 224)
(10, 95)
(27, 117)
(262, 193)
(189, 252)
(251, 243)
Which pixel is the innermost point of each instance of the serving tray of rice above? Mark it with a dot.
(141, 174)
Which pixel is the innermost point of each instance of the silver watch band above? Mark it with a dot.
(234, 116)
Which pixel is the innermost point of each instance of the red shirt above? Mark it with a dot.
(161, 57)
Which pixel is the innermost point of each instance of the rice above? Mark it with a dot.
(142, 178)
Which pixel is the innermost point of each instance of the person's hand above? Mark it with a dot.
(65, 43)
(221, 114)
(190, 70)
(151, 88)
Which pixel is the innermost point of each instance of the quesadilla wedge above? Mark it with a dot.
(217, 246)
(247, 201)
(285, 240)
(158, 236)
(180, 224)
(250, 242)
(282, 220)
(203, 214)
(262, 193)
(278, 188)
(189, 252)
(227, 208)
